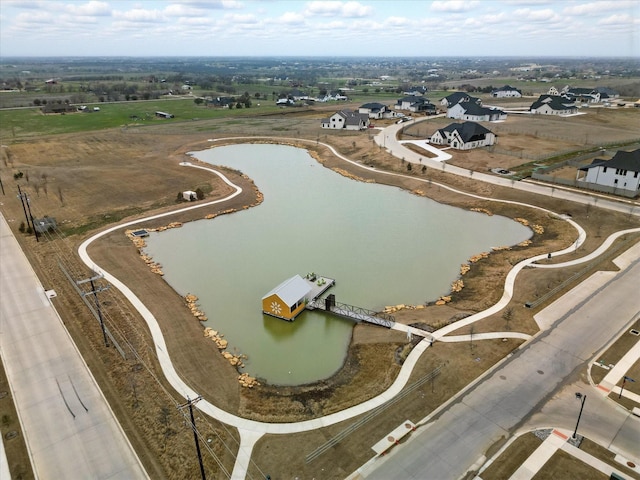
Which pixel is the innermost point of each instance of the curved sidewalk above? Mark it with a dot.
(251, 430)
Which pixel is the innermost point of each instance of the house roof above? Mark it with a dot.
(353, 118)
(468, 131)
(472, 108)
(457, 97)
(374, 106)
(291, 290)
(629, 161)
(554, 102)
(506, 88)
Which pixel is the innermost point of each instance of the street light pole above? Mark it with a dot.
(582, 399)
(625, 379)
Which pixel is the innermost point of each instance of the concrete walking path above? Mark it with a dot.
(620, 369)
(250, 431)
(557, 440)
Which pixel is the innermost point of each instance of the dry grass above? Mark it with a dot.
(96, 179)
(566, 466)
(511, 459)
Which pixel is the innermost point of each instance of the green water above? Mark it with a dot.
(383, 245)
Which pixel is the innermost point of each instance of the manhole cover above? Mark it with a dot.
(391, 439)
(540, 372)
(11, 434)
(502, 377)
(631, 465)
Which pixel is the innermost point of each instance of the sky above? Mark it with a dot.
(413, 28)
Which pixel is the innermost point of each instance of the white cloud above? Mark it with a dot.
(622, 19)
(139, 15)
(183, 10)
(334, 8)
(292, 18)
(538, 16)
(90, 9)
(453, 5)
(242, 19)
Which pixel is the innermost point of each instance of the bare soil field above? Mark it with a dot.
(90, 181)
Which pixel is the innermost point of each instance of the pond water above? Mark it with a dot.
(383, 245)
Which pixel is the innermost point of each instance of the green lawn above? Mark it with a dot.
(23, 123)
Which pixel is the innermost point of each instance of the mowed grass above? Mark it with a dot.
(29, 122)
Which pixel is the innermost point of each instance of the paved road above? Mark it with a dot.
(602, 420)
(69, 428)
(388, 139)
(496, 407)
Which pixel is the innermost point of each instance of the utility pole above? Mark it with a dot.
(95, 292)
(35, 231)
(195, 431)
(24, 209)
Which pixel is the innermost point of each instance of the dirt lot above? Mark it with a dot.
(93, 180)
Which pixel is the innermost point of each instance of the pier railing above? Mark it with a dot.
(358, 314)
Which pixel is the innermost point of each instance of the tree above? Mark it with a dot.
(199, 194)
(198, 101)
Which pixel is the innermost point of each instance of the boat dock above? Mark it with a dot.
(318, 285)
(294, 295)
(359, 314)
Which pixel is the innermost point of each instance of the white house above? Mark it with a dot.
(553, 105)
(506, 92)
(622, 172)
(473, 112)
(346, 120)
(464, 136)
(375, 110)
(414, 103)
(457, 97)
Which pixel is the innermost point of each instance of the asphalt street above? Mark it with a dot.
(69, 428)
(498, 406)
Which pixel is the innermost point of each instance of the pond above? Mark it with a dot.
(383, 245)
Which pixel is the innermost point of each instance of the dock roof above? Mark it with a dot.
(291, 290)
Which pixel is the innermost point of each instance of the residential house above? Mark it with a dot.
(419, 90)
(52, 107)
(506, 92)
(457, 97)
(607, 93)
(475, 113)
(414, 103)
(375, 110)
(285, 102)
(346, 120)
(334, 95)
(553, 91)
(298, 95)
(553, 105)
(582, 95)
(621, 173)
(287, 300)
(223, 102)
(464, 136)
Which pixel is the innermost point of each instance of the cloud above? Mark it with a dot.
(453, 5)
(213, 4)
(622, 19)
(90, 9)
(334, 8)
(291, 18)
(538, 16)
(139, 15)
